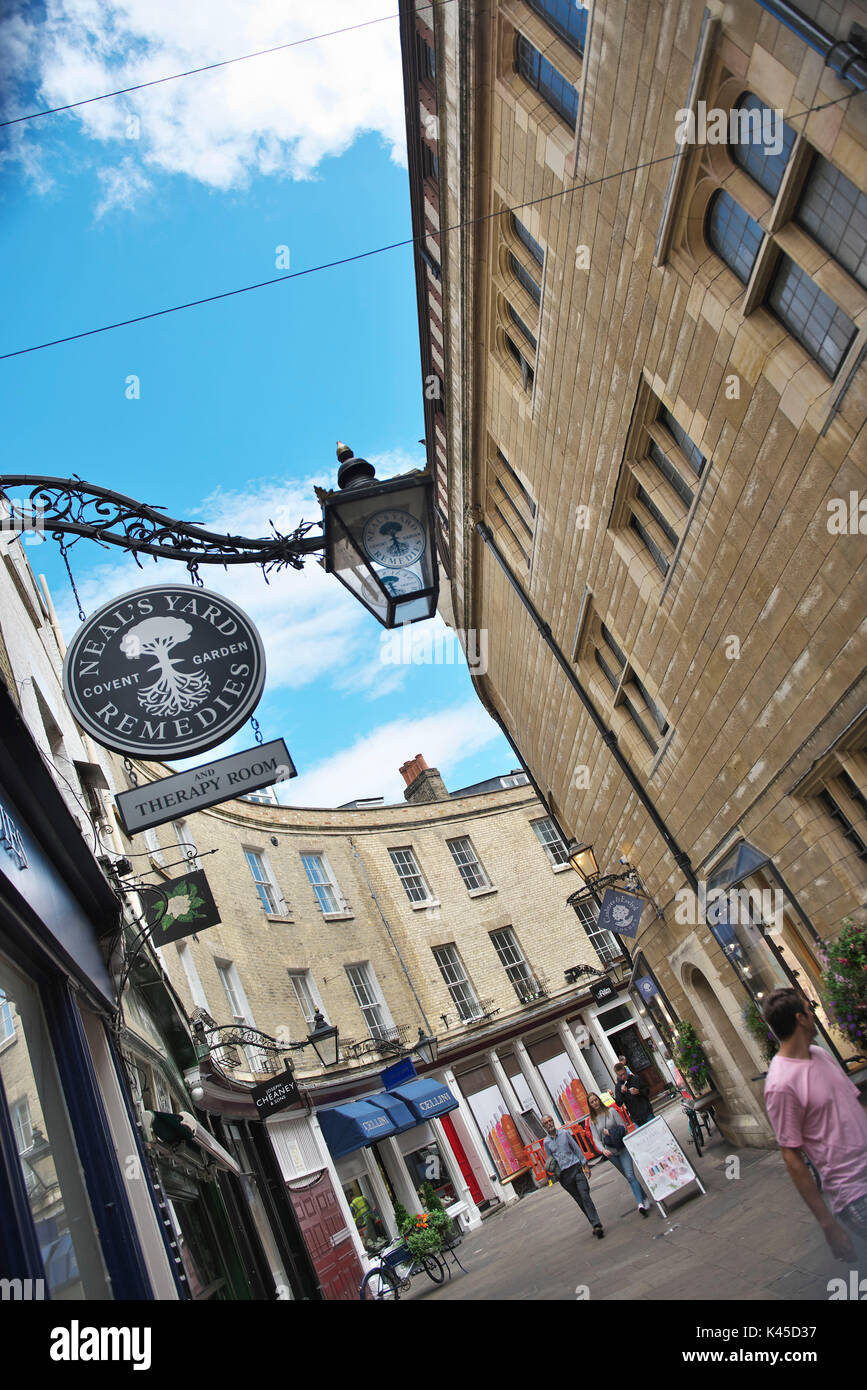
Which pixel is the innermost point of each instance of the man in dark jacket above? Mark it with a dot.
(633, 1094)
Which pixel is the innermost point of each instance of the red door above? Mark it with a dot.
(463, 1161)
(327, 1237)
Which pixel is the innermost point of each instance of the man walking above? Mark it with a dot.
(571, 1168)
(814, 1106)
(633, 1094)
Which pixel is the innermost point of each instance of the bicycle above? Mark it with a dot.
(695, 1134)
(386, 1280)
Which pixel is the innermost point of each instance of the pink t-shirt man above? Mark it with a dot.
(813, 1105)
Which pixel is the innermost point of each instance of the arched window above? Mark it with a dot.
(733, 234)
(547, 81)
(529, 241)
(834, 212)
(810, 315)
(566, 19)
(524, 278)
(760, 141)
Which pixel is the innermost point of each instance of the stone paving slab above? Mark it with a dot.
(749, 1238)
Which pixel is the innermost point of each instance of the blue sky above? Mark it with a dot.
(185, 190)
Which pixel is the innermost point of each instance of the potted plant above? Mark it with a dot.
(844, 983)
(758, 1029)
(690, 1058)
(425, 1233)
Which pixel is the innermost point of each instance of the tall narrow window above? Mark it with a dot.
(529, 241)
(758, 130)
(410, 874)
(269, 893)
(535, 68)
(193, 979)
(850, 834)
(186, 843)
(22, 1125)
(512, 506)
(306, 993)
(834, 212)
(328, 895)
(524, 366)
(368, 996)
(733, 234)
(810, 315)
(512, 959)
(463, 995)
(240, 1010)
(7, 1022)
(546, 833)
(566, 19)
(153, 847)
(533, 288)
(601, 940)
(470, 869)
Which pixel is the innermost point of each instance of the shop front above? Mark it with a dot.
(68, 1217)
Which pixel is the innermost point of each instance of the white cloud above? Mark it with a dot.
(371, 766)
(123, 186)
(277, 115)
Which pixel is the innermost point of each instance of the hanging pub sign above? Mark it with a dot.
(603, 991)
(164, 672)
(275, 1094)
(620, 912)
(644, 984)
(154, 803)
(179, 908)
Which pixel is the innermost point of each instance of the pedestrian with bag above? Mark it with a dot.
(565, 1161)
(633, 1095)
(606, 1132)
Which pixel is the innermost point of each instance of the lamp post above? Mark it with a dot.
(378, 537)
(583, 861)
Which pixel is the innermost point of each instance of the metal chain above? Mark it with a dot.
(257, 732)
(63, 548)
(195, 577)
(130, 772)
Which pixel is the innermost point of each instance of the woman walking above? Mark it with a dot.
(605, 1131)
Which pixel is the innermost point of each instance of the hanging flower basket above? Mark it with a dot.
(690, 1058)
(756, 1026)
(844, 983)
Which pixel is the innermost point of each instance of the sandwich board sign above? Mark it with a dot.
(659, 1161)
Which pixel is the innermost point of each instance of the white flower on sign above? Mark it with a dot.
(621, 914)
(175, 691)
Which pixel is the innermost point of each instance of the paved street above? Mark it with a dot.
(747, 1238)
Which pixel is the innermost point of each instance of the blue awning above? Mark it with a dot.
(400, 1115)
(351, 1126)
(426, 1099)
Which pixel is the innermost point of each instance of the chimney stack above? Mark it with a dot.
(423, 783)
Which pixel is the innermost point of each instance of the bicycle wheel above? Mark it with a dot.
(378, 1284)
(695, 1131)
(433, 1268)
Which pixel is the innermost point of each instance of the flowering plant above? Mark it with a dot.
(425, 1233)
(844, 983)
(756, 1025)
(690, 1058)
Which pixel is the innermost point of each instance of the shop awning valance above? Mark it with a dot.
(172, 1128)
(426, 1099)
(397, 1110)
(351, 1126)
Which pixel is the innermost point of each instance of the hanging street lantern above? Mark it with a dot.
(324, 1040)
(380, 540)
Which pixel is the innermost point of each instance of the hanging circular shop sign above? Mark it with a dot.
(164, 672)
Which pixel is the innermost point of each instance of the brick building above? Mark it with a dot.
(642, 286)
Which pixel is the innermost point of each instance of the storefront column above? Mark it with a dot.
(472, 1218)
(505, 1192)
(603, 1046)
(531, 1076)
(383, 1200)
(504, 1084)
(573, 1052)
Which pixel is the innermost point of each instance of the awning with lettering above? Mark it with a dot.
(426, 1099)
(397, 1111)
(351, 1126)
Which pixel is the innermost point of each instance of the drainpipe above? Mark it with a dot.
(681, 858)
(391, 938)
(845, 57)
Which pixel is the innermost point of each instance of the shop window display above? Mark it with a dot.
(426, 1166)
(368, 1221)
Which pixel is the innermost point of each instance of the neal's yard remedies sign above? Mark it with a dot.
(154, 803)
(275, 1094)
(164, 672)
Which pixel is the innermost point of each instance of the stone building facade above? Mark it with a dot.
(650, 307)
(446, 916)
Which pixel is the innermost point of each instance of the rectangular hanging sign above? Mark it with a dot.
(275, 1095)
(154, 803)
(179, 908)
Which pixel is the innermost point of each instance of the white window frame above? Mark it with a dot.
(600, 939)
(328, 883)
(20, 1111)
(460, 986)
(7, 1021)
(185, 956)
(414, 872)
(307, 996)
(186, 842)
(552, 842)
(153, 846)
(462, 845)
(240, 1009)
(267, 889)
(523, 981)
(374, 1005)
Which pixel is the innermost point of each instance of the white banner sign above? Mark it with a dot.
(659, 1160)
(154, 803)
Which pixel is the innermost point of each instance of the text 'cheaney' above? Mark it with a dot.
(164, 672)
